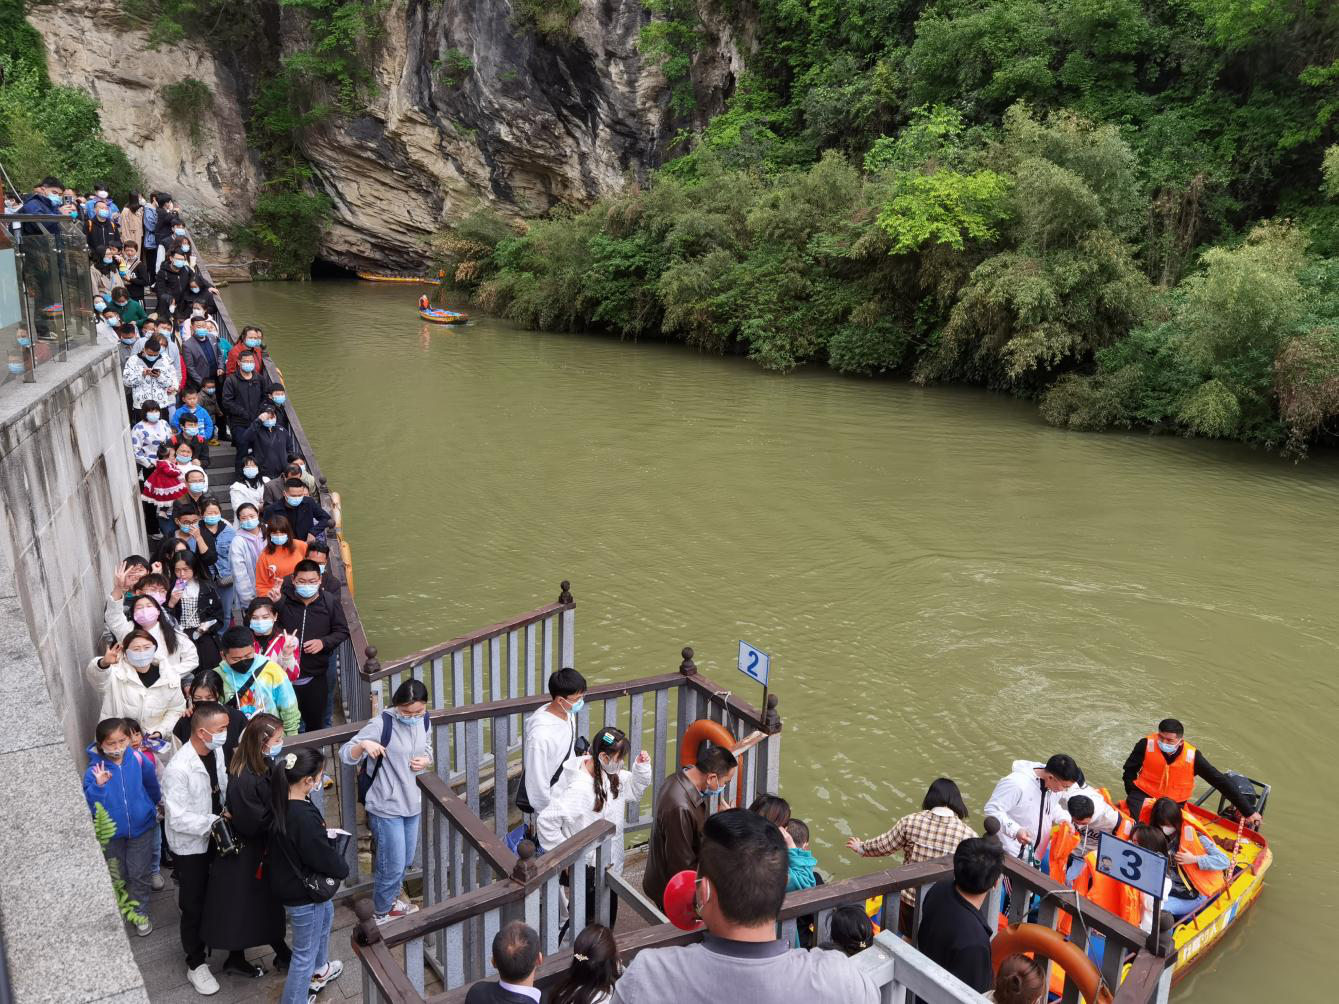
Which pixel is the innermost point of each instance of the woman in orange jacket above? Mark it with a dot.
(278, 557)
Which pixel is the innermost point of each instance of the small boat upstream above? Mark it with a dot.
(439, 315)
(409, 279)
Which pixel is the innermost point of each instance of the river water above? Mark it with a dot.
(946, 583)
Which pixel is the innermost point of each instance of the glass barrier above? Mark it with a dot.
(46, 293)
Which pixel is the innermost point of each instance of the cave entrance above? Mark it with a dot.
(323, 269)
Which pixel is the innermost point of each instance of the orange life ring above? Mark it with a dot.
(699, 731)
(1068, 956)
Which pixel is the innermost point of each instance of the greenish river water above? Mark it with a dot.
(946, 582)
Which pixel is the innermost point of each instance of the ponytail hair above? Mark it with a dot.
(289, 769)
(611, 742)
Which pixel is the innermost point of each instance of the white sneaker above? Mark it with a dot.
(332, 971)
(156, 882)
(203, 980)
(403, 906)
(145, 929)
(383, 918)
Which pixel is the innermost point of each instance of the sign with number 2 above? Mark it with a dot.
(754, 663)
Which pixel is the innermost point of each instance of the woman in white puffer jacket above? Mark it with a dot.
(591, 788)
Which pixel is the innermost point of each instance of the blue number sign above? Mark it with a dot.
(754, 663)
(1132, 864)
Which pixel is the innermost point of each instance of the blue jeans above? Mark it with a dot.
(1179, 908)
(397, 840)
(311, 947)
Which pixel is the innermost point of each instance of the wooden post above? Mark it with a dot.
(367, 707)
(687, 699)
(567, 640)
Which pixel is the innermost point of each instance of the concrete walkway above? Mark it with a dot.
(163, 964)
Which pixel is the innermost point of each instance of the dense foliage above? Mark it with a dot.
(45, 129)
(1116, 206)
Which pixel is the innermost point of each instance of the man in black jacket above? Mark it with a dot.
(244, 393)
(952, 931)
(267, 442)
(317, 618)
(172, 284)
(517, 956)
(308, 520)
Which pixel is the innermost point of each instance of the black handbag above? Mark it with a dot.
(321, 888)
(225, 841)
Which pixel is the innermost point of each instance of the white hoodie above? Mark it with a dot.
(549, 741)
(572, 807)
(1021, 802)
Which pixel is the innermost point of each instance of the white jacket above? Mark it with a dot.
(186, 800)
(156, 708)
(1021, 802)
(186, 659)
(572, 808)
(1104, 819)
(548, 742)
(243, 553)
(240, 493)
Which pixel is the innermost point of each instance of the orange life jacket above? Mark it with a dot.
(1205, 882)
(1064, 838)
(1158, 778)
(1114, 897)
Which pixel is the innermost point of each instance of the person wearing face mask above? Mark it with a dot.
(1163, 764)
(244, 553)
(137, 277)
(127, 309)
(127, 337)
(218, 534)
(195, 603)
(171, 350)
(250, 486)
(307, 519)
(131, 222)
(267, 443)
(1027, 803)
(274, 490)
(148, 434)
(173, 650)
(163, 489)
(241, 909)
(150, 376)
(172, 284)
(125, 784)
(244, 394)
(195, 788)
(253, 684)
(188, 513)
(253, 341)
(550, 739)
(201, 352)
(300, 846)
(319, 552)
(1074, 837)
(199, 298)
(134, 682)
(151, 211)
(103, 269)
(390, 751)
(594, 787)
(191, 434)
(46, 200)
(681, 814)
(318, 620)
(192, 407)
(1198, 865)
(168, 228)
(278, 558)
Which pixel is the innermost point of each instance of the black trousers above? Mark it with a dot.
(242, 440)
(312, 697)
(192, 874)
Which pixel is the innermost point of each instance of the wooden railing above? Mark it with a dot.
(893, 965)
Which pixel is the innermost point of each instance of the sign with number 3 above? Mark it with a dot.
(1129, 863)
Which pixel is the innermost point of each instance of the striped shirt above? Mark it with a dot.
(921, 836)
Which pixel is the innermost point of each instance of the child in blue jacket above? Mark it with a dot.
(125, 783)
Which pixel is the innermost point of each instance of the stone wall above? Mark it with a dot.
(68, 509)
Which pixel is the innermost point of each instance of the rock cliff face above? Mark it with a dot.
(528, 124)
(531, 122)
(90, 46)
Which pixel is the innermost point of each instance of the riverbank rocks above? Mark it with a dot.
(204, 162)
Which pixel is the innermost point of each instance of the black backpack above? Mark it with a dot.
(367, 777)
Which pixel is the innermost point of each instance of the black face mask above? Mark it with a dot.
(241, 666)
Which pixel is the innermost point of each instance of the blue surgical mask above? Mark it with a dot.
(305, 589)
(278, 539)
(16, 368)
(275, 750)
(183, 458)
(189, 431)
(196, 487)
(279, 398)
(293, 502)
(209, 391)
(178, 262)
(322, 568)
(576, 708)
(186, 248)
(106, 259)
(55, 200)
(261, 627)
(179, 231)
(24, 342)
(150, 358)
(212, 519)
(151, 416)
(253, 343)
(250, 524)
(99, 305)
(250, 472)
(407, 719)
(247, 367)
(1168, 747)
(715, 792)
(217, 739)
(269, 423)
(201, 332)
(129, 341)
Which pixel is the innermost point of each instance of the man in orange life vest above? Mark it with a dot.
(1164, 765)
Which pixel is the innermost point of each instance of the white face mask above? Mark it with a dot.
(1169, 830)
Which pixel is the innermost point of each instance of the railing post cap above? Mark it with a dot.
(688, 667)
(770, 718)
(369, 931)
(564, 592)
(525, 862)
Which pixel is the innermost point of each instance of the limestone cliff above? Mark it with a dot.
(531, 122)
(91, 46)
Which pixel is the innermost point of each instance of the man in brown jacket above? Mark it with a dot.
(681, 812)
